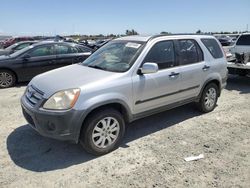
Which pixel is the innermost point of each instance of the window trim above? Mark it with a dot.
(178, 50)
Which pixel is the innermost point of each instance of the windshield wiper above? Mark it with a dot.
(96, 67)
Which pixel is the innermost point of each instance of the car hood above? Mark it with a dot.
(4, 57)
(73, 76)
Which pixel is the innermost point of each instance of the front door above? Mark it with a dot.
(157, 89)
(38, 60)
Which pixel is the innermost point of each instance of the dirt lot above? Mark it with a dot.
(152, 154)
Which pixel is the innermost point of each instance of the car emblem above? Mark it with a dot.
(31, 93)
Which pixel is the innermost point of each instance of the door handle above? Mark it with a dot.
(78, 59)
(174, 74)
(52, 61)
(206, 67)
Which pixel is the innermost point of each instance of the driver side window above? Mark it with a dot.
(42, 51)
(163, 54)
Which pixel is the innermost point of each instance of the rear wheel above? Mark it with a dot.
(103, 131)
(208, 98)
(7, 79)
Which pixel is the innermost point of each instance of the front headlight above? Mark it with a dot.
(62, 100)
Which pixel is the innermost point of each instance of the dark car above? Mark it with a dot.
(225, 40)
(101, 43)
(24, 64)
(15, 47)
(95, 45)
(8, 42)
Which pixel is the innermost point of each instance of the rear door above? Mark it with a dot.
(82, 53)
(157, 89)
(65, 55)
(193, 68)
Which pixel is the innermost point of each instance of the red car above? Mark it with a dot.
(14, 40)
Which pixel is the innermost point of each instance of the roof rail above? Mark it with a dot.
(176, 34)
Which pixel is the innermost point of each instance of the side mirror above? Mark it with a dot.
(26, 56)
(87, 53)
(148, 68)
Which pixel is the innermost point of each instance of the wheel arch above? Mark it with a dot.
(118, 105)
(212, 80)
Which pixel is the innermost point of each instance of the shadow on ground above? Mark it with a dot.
(238, 83)
(33, 152)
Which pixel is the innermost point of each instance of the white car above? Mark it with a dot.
(242, 46)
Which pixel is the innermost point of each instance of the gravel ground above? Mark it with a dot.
(152, 154)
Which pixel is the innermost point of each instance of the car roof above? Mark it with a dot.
(171, 36)
(27, 41)
(135, 38)
(245, 34)
(53, 42)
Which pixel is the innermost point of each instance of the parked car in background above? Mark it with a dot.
(15, 47)
(94, 44)
(225, 40)
(101, 43)
(24, 64)
(127, 79)
(8, 42)
(242, 44)
(239, 55)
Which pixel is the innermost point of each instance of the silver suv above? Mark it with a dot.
(127, 79)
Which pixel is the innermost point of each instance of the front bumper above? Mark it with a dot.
(61, 125)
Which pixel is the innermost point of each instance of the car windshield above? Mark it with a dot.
(19, 52)
(116, 56)
(11, 47)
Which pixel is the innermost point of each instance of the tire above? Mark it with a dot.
(7, 79)
(209, 98)
(98, 139)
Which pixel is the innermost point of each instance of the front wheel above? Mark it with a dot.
(7, 79)
(103, 131)
(208, 98)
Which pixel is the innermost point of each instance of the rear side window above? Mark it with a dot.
(163, 54)
(213, 47)
(83, 49)
(73, 49)
(63, 49)
(189, 52)
(243, 40)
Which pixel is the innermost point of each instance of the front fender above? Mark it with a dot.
(97, 101)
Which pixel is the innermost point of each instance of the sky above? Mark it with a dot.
(65, 17)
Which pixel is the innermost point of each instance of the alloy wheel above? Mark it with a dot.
(6, 79)
(210, 98)
(105, 132)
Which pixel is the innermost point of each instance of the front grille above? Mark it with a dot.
(33, 95)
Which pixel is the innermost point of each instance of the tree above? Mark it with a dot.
(165, 33)
(132, 32)
(198, 32)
